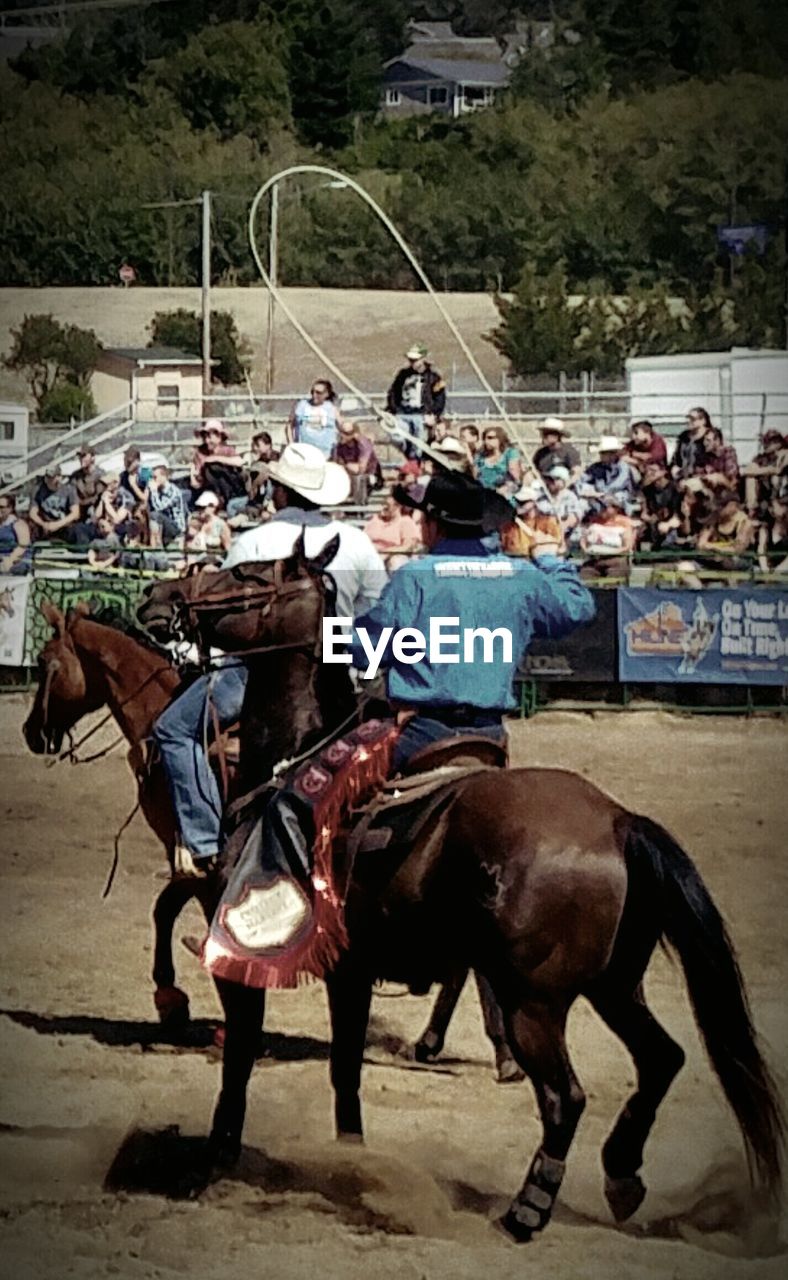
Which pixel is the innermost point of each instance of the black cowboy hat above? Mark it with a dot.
(458, 500)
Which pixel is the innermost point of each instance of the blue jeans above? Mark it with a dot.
(421, 731)
(413, 422)
(180, 733)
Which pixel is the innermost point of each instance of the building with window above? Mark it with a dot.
(14, 427)
(443, 72)
(165, 384)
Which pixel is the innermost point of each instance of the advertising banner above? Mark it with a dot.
(589, 653)
(737, 636)
(13, 609)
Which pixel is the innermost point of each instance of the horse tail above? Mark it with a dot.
(690, 923)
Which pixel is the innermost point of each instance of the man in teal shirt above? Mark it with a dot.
(476, 610)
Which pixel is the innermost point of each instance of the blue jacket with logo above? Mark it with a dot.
(463, 580)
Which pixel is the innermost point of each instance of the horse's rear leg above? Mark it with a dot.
(433, 1037)
(506, 1067)
(172, 1004)
(658, 1060)
(349, 996)
(244, 1008)
(536, 1035)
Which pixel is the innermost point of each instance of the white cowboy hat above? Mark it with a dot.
(528, 493)
(558, 473)
(608, 444)
(207, 499)
(303, 469)
(555, 424)
(451, 445)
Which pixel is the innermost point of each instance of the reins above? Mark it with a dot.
(70, 752)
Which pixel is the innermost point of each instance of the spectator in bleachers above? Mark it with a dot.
(217, 467)
(773, 538)
(644, 447)
(498, 463)
(14, 538)
(356, 453)
(720, 466)
(533, 525)
(609, 477)
(54, 511)
(258, 488)
(608, 536)
(207, 531)
(134, 478)
(394, 533)
(315, 419)
(568, 507)
(110, 508)
(166, 509)
(556, 451)
(688, 456)
(767, 475)
(729, 532)
(87, 480)
(661, 513)
(469, 436)
(417, 397)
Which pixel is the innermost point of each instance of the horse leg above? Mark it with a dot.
(506, 1067)
(172, 1004)
(349, 995)
(658, 1060)
(431, 1041)
(244, 1008)
(536, 1035)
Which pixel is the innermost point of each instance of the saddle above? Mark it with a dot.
(433, 778)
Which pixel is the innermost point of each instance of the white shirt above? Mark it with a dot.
(357, 568)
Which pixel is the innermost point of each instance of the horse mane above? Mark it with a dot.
(110, 616)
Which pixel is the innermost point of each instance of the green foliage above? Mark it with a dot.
(56, 359)
(66, 401)
(182, 329)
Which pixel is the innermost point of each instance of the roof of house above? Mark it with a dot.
(154, 355)
(458, 70)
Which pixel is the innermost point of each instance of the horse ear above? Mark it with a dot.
(54, 617)
(323, 558)
(299, 547)
(80, 609)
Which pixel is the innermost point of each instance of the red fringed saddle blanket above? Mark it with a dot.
(278, 920)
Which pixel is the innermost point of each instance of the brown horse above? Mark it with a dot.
(86, 666)
(536, 879)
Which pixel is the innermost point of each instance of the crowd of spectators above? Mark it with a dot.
(637, 494)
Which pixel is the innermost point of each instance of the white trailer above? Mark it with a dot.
(745, 392)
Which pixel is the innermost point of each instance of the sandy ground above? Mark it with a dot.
(364, 331)
(80, 1068)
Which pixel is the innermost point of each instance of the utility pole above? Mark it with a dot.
(206, 293)
(273, 268)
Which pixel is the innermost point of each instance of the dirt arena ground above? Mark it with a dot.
(80, 1068)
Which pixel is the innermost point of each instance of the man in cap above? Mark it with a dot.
(417, 397)
(554, 449)
(54, 511)
(566, 504)
(463, 587)
(303, 482)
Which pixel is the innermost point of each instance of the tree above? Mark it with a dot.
(52, 357)
(539, 331)
(182, 330)
(66, 401)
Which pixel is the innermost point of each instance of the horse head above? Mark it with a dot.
(260, 605)
(64, 694)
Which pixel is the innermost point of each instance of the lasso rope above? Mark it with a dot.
(386, 419)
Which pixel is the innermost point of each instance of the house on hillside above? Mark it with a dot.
(451, 74)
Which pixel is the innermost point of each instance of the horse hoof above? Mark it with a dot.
(514, 1228)
(625, 1196)
(427, 1048)
(508, 1071)
(172, 1006)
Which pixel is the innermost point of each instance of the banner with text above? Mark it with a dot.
(703, 637)
(13, 610)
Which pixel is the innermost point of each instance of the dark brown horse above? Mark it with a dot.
(86, 666)
(539, 881)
